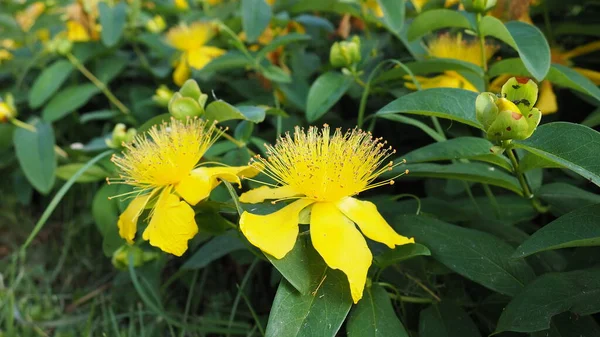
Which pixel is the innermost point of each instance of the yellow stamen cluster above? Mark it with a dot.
(455, 47)
(168, 155)
(326, 167)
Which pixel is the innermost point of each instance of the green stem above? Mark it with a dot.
(241, 287)
(482, 47)
(492, 197)
(23, 125)
(524, 185)
(99, 84)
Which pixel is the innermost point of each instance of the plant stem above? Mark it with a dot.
(524, 185)
(484, 65)
(23, 125)
(99, 84)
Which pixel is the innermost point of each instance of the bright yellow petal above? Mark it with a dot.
(198, 58)
(181, 4)
(128, 220)
(267, 193)
(547, 99)
(231, 174)
(172, 224)
(182, 72)
(592, 75)
(341, 245)
(449, 79)
(194, 187)
(76, 32)
(498, 82)
(582, 50)
(275, 233)
(371, 223)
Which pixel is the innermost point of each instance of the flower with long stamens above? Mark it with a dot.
(324, 172)
(164, 168)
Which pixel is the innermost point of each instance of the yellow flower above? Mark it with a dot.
(182, 4)
(452, 47)
(5, 55)
(192, 40)
(156, 25)
(164, 169)
(420, 3)
(547, 100)
(324, 172)
(27, 18)
(374, 7)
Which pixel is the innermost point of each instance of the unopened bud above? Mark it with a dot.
(121, 260)
(345, 53)
(7, 109)
(162, 96)
(156, 25)
(120, 136)
(189, 101)
(478, 6)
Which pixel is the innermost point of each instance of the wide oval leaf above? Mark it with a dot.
(319, 313)
(256, 15)
(478, 256)
(325, 92)
(374, 316)
(573, 146)
(450, 103)
(458, 148)
(446, 319)
(564, 198)
(549, 295)
(580, 228)
(475, 172)
(526, 39)
(48, 82)
(214, 249)
(35, 152)
(113, 20)
(223, 111)
(393, 14)
(68, 100)
(435, 19)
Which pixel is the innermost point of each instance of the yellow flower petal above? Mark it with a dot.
(371, 223)
(172, 224)
(341, 245)
(547, 99)
(449, 79)
(267, 193)
(76, 32)
(182, 72)
(128, 220)
(275, 233)
(189, 37)
(200, 57)
(194, 187)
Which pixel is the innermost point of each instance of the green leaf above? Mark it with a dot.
(98, 115)
(231, 60)
(416, 123)
(393, 14)
(435, 19)
(92, 174)
(113, 20)
(276, 74)
(48, 82)
(454, 104)
(301, 267)
(429, 66)
(106, 213)
(223, 111)
(325, 92)
(68, 100)
(156, 120)
(573, 146)
(214, 249)
(549, 295)
(478, 256)
(401, 253)
(458, 148)
(256, 15)
(446, 319)
(580, 228)
(318, 313)
(374, 316)
(526, 39)
(564, 198)
(35, 152)
(282, 41)
(108, 68)
(570, 325)
(475, 172)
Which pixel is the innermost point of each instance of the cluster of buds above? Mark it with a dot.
(478, 6)
(120, 136)
(156, 25)
(163, 95)
(511, 115)
(8, 111)
(345, 53)
(189, 101)
(59, 45)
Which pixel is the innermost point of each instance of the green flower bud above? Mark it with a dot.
(190, 89)
(64, 46)
(184, 107)
(478, 6)
(120, 258)
(486, 109)
(121, 136)
(162, 96)
(345, 53)
(511, 123)
(522, 91)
